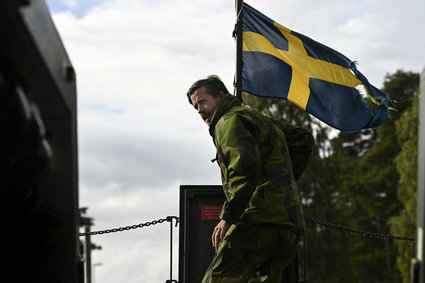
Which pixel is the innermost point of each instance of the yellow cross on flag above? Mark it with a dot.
(278, 62)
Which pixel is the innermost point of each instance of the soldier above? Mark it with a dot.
(262, 219)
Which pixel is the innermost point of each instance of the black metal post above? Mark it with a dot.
(238, 35)
(170, 219)
(171, 249)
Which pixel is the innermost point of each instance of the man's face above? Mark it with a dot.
(205, 103)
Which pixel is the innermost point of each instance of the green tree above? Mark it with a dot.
(352, 180)
(368, 185)
(406, 164)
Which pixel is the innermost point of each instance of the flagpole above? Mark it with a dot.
(238, 34)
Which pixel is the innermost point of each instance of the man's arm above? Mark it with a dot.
(240, 162)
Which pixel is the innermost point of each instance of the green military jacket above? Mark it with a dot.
(256, 167)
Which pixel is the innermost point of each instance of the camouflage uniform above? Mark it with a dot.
(263, 201)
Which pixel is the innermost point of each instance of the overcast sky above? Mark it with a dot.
(139, 139)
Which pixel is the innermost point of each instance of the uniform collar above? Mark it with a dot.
(224, 105)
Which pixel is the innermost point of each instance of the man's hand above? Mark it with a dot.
(219, 232)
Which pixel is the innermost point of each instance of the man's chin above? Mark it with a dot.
(207, 120)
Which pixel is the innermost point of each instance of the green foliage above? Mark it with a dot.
(406, 163)
(368, 187)
(363, 180)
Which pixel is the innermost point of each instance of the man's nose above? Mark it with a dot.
(200, 109)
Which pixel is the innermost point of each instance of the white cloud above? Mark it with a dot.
(380, 37)
(137, 255)
(139, 139)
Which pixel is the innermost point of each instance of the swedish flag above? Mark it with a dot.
(278, 62)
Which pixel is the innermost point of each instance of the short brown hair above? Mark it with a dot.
(212, 84)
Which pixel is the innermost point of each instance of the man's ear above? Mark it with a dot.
(221, 94)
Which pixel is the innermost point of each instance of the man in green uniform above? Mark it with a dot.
(262, 218)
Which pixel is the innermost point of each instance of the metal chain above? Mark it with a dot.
(359, 232)
(131, 227)
(307, 219)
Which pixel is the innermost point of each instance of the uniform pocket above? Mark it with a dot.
(259, 198)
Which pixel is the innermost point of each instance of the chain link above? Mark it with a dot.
(131, 227)
(359, 232)
(307, 219)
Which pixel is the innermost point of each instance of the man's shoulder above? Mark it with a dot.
(244, 116)
(240, 113)
(243, 111)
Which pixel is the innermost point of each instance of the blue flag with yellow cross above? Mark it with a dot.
(279, 62)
